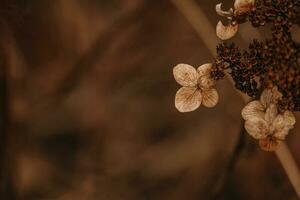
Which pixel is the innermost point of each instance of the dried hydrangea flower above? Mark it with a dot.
(197, 87)
(226, 32)
(234, 16)
(264, 123)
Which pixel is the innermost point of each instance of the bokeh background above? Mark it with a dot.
(87, 107)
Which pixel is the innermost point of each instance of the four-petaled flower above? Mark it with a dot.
(264, 123)
(197, 87)
(240, 8)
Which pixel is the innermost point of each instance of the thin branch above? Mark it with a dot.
(197, 19)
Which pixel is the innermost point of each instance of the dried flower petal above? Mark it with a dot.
(210, 98)
(269, 96)
(242, 6)
(206, 82)
(269, 144)
(226, 32)
(185, 75)
(282, 133)
(252, 110)
(257, 128)
(271, 113)
(204, 69)
(289, 118)
(223, 13)
(188, 99)
(266, 97)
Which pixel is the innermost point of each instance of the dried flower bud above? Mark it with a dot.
(226, 32)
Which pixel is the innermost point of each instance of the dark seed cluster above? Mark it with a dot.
(274, 62)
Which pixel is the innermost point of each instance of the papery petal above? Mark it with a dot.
(257, 128)
(210, 97)
(276, 94)
(185, 75)
(282, 122)
(269, 96)
(289, 118)
(223, 13)
(271, 113)
(206, 82)
(204, 69)
(253, 109)
(242, 6)
(266, 97)
(269, 144)
(282, 133)
(226, 32)
(188, 99)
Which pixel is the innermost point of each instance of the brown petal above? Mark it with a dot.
(223, 13)
(204, 69)
(226, 32)
(187, 99)
(243, 6)
(289, 118)
(185, 75)
(257, 128)
(271, 113)
(210, 98)
(269, 144)
(253, 109)
(282, 133)
(270, 96)
(266, 97)
(206, 82)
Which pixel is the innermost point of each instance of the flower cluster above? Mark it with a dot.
(268, 70)
(197, 87)
(264, 123)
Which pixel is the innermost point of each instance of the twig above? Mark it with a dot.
(194, 15)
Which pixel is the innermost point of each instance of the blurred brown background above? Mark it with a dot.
(87, 108)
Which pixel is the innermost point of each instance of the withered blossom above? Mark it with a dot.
(197, 87)
(264, 123)
(234, 16)
(273, 63)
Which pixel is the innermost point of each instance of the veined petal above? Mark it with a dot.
(226, 32)
(223, 13)
(253, 109)
(204, 69)
(266, 97)
(289, 118)
(269, 96)
(188, 99)
(282, 122)
(271, 113)
(282, 133)
(257, 128)
(206, 82)
(242, 6)
(210, 97)
(269, 144)
(185, 75)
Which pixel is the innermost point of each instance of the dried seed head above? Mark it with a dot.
(226, 32)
